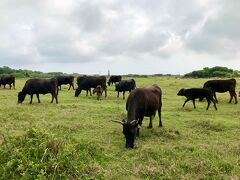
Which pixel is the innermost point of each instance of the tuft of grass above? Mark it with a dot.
(207, 125)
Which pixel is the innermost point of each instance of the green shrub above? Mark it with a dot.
(39, 155)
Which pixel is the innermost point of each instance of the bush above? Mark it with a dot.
(216, 71)
(39, 155)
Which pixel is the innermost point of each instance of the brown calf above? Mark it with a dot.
(98, 90)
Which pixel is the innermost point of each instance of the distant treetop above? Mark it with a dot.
(216, 71)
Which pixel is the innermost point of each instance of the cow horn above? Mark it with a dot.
(117, 122)
(132, 123)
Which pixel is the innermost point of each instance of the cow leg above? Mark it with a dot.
(150, 122)
(208, 100)
(235, 97)
(38, 98)
(118, 94)
(123, 94)
(87, 93)
(10, 86)
(31, 98)
(214, 103)
(160, 116)
(90, 92)
(60, 87)
(139, 124)
(194, 103)
(4, 86)
(185, 102)
(233, 94)
(14, 85)
(56, 98)
(214, 94)
(105, 90)
(71, 85)
(52, 97)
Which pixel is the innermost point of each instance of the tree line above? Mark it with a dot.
(5, 70)
(206, 72)
(216, 71)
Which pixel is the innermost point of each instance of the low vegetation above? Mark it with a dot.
(76, 138)
(20, 73)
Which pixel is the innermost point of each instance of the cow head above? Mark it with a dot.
(77, 92)
(21, 97)
(181, 92)
(130, 132)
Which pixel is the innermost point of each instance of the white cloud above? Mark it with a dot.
(144, 36)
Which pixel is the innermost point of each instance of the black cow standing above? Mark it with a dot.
(39, 86)
(125, 85)
(222, 86)
(7, 80)
(114, 79)
(65, 80)
(88, 82)
(141, 102)
(194, 93)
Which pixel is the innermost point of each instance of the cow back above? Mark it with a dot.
(221, 85)
(41, 86)
(86, 82)
(143, 101)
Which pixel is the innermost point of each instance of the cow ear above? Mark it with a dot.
(124, 121)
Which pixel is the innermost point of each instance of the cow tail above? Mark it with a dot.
(234, 82)
(14, 82)
(134, 84)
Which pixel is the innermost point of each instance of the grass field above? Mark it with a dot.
(76, 138)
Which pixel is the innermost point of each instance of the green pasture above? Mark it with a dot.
(76, 138)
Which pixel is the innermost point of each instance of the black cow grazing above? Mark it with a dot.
(39, 86)
(222, 86)
(98, 90)
(125, 85)
(7, 80)
(65, 80)
(88, 82)
(114, 79)
(194, 93)
(141, 102)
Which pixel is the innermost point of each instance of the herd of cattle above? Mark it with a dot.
(141, 102)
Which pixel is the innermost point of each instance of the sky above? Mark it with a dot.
(123, 36)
